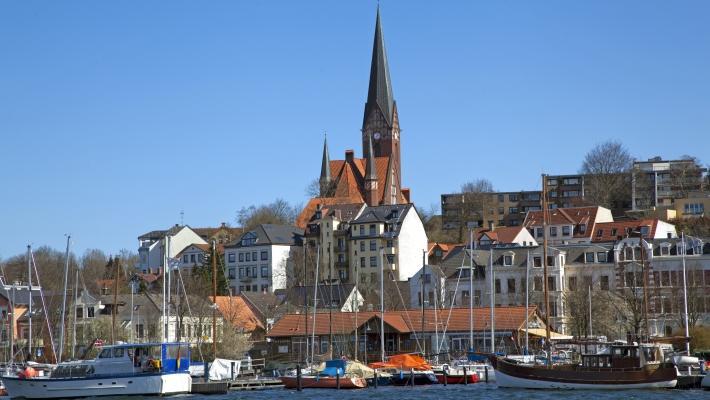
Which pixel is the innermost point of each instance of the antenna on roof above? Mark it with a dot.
(182, 217)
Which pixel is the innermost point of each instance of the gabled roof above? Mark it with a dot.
(309, 210)
(270, 234)
(388, 213)
(407, 321)
(335, 294)
(503, 234)
(235, 310)
(565, 216)
(611, 231)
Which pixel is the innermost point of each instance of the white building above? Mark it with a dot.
(151, 251)
(567, 225)
(260, 260)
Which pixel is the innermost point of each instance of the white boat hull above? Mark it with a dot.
(705, 383)
(46, 388)
(508, 381)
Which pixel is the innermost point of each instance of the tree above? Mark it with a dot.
(280, 212)
(476, 198)
(686, 176)
(433, 224)
(604, 310)
(608, 169)
(203, 273)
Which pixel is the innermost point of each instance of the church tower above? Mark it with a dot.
(380, 121)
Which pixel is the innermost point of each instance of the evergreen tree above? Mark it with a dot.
(204, 274)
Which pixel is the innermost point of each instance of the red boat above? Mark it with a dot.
(455, 376)
(323, 382)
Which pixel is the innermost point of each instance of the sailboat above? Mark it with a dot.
(619, 366)
(120, 369)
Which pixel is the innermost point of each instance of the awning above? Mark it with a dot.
(541, 333)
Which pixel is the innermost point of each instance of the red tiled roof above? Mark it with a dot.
(620, 228)
(506, 319)
(504, 234)
(305, 216)
(235, 310)
(564, 216)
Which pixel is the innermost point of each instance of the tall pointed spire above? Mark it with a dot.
(379, 94)
(324, 180)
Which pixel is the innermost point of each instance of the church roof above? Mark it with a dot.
(379, 93)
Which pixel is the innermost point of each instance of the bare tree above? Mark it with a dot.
(605, 307)
(476, 198)
(608, 167)
(280, 212)
(687, 176)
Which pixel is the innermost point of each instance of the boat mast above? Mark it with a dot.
(382, 305)
(645, 279)
(470, 296)
(165, 269)
(305, 293)
(544, 270)
(685, 298)
(422, 297)
(493, 299)
(64, 301)
(115, 301)
(590, 311)
(315, 303)
(76, 297)
(356, 306)
(214, 293)
(527, 302)
(330, 306)
(29, 306)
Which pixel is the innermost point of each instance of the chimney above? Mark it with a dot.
(491, 226)
(406, 194)
(349, 156)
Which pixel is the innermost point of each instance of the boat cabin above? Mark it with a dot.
(623, 357)
(129, 359)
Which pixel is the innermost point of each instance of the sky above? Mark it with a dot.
(115, 117)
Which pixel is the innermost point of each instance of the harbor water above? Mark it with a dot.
(452, 392)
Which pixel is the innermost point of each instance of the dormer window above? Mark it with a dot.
(589, 257)
(395, 213)
(582, 228)
(565, 230)
(508, 259)
(644, 230)
(665, 249)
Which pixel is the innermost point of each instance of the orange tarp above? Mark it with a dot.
(403, 361)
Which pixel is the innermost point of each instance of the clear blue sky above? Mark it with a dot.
(115, 116)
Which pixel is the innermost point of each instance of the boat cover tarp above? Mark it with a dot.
(333, 368)
(403, 361)
(221, 369)
(359, 370)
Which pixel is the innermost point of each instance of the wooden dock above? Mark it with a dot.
(209, 387)
(256, 384)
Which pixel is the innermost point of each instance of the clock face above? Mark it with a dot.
(376, 135)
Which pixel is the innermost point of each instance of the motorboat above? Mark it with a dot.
(333, 376)
(118, 370)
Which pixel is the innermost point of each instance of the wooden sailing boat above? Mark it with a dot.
(626, 366)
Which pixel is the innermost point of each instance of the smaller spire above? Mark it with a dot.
(370, 171)
(324, 180)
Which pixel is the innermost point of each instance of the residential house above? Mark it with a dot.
(511, 236)
(693, 205)
(649, 228)
(567, 225)
(151, 251)
(261, 260)
(657, 183)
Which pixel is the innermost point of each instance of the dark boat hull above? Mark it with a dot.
(652, 376)
(420, 378)
(323, 382)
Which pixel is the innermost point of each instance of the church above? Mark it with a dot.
(376, 178)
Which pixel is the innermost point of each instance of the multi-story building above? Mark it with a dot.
(694, 205)
(261, 260)
(463, 211)
(567, 225)
(151, 250)
(565, 191)
(656, 183)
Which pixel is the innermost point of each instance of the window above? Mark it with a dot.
(550, 261)
(552, 182)
(362, 262)
(90, 312)
(572, 283)
(341, 258)
(241, 272)
(588, 257)
(248, 256)
(373, 245)
(501, 210)
(665, 249)
(582, 228)
(644, 231)
(511, 285)
(551, 283)
(501, 198)
(79, 312)
(507, 260)
(264, 271)
(565, 230)
(513, 210)
(264, 255)
(537, 284)
(613, 232)
(497, 283)
(139, 331)
(604, 282)
(537, 262)
(570, 181)
(241, 257)
(184, 258)
(232, 273)
(601, 256)
(513, 197)
(538, 232)
(362, 230)
(373, 261)
(390, 244)
(253, 273)
(192, 258)
(553, 231)
(362, 245)
(343, 273)
(231, 257)
(465, 294)
(253, 255)
(254, 288)
(373, 229)
(694, 208)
